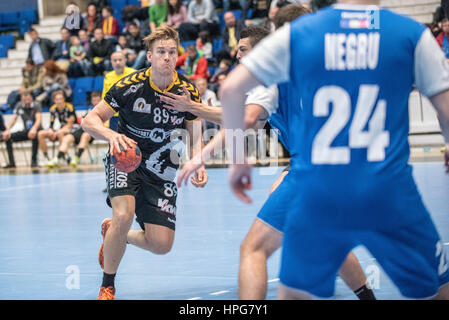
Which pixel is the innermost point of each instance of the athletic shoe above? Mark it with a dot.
(104, 228)
(74, 162)
(53, 163)
(106, 293)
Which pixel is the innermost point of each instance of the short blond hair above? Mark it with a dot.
(161, 33)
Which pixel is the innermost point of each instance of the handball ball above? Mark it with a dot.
(127, 161)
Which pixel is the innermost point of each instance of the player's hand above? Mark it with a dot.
(201, 177)
(176, 102)
(6, 135)
(190, 167)
(32, 134)
(119, 142)
(240, 181)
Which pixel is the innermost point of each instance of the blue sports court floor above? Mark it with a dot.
(50, 235)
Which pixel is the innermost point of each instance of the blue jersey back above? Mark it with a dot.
(351, 73)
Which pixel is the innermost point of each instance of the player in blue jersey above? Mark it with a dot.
(265, 235)
(351, 69)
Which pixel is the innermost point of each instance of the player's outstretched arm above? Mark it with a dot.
(183, 103)
(93, 124)
(441, 104)
(232, 95)
(201, 177)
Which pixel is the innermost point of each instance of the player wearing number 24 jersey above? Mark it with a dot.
(351, 69)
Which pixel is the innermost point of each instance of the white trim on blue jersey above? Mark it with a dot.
(431, 66)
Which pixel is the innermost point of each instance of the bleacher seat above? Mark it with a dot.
(7, 40)
(72, 82)
(217, 45)
(185, 44)
(84, 83)
(10, 19)
(79, 97)
(98, 83)
(3, 51)
(29, 15)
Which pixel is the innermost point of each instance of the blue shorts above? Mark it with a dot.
(321, 228)
(273, 211)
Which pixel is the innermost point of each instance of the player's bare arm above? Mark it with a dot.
(201, 177)
(232, 96)
(93, 124)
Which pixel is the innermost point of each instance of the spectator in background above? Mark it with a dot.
(193, 63)
(177, 13)
(201, 16)
(204, 44)
(54, 79)
(92, 19)
(135, 43)
(31, 114)
(260, 11)
(227, 4)
(79, 65)
(109, 24)
(84, 39)
(122, 46)
(230, 36)
(208, 97)
(157, 14)
(32, 77)
(65, 113)
(74, 21)
(119, 71)
(99, 53)
(61, 53)
(443, 37)
(77, 136)
(224, 67)
(40, 49)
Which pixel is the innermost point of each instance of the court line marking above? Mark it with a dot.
(195, 298)
(47, 184)
(219, 292)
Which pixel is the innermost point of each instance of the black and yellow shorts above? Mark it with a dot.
(155, 198)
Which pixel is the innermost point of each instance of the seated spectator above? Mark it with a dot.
(227, 4)
(61, 53)
(84, 39)
(92, 19)
(40, 49)
(77, 136)
(65, 113)
(204, 44)
(224, 67)
(193, 63)
(201, 16)
(31, 114)
(54, 79)
(122, 46)
(208, 97)
(260, 11)
(118, 61)
(99, 53)
(74, 21)
(135, 43)
(79, 65)
(109, 24)
(157, 14)
(443, 37)
(32, 77)
(230, 36)
(177, 13)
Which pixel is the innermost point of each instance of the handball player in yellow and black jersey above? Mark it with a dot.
(149, 191)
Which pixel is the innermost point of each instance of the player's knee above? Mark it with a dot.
(122, 221)
(159, 245)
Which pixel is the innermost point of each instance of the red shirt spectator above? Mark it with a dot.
(109, 23)
(194, 64)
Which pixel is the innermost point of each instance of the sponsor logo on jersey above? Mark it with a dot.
(114, 103)
(133, 89)
(166, 207)
(140, 105)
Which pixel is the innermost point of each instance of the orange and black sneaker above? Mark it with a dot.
(104, 228)
(106, 293)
